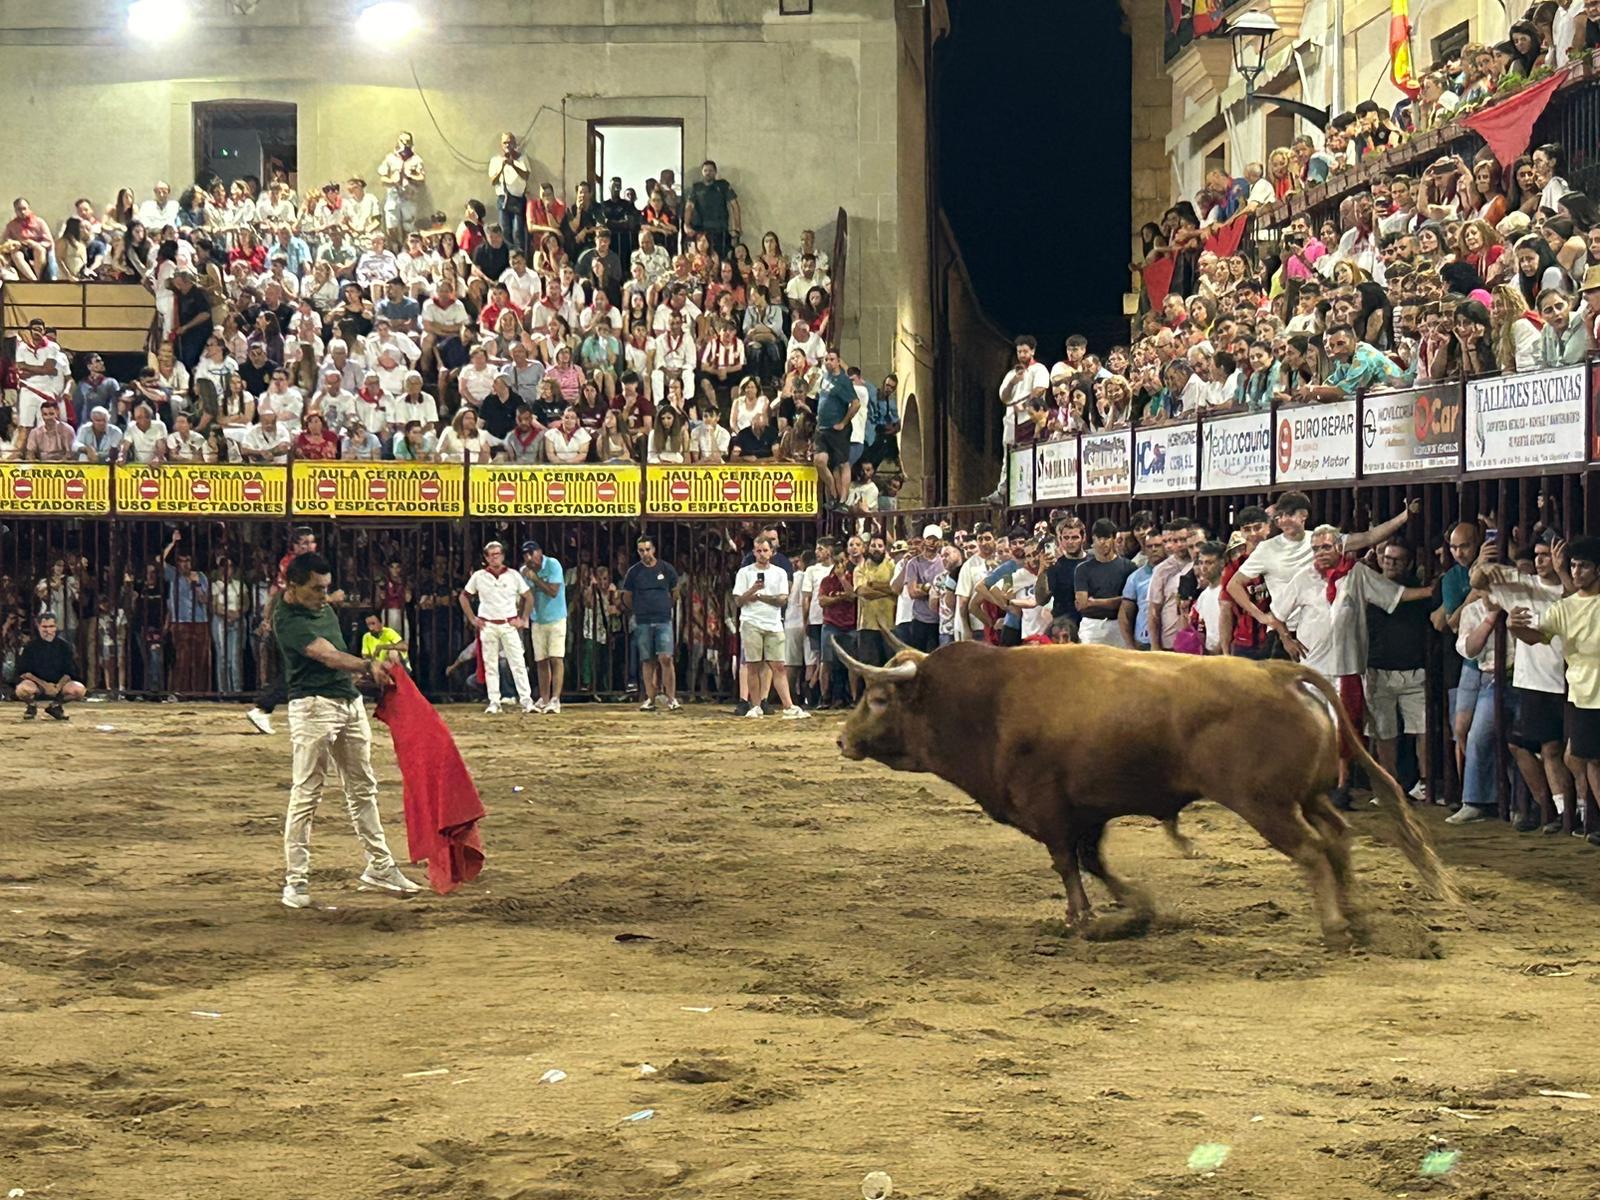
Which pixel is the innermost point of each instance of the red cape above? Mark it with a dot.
(441, 801)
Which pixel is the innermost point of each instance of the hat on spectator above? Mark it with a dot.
(899, 546)
(1513, 225)
(1235, 542)
(1591, 279)
(932, 531)
(529, 546)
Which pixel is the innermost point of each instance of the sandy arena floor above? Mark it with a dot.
(835, 970)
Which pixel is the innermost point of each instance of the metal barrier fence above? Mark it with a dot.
(124, 595)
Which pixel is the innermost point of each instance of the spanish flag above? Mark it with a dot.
(1207, 17)
(1400, 47)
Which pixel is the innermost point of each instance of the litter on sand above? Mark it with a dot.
(1439, 1162)
(644, 1114)
(645, 1069)
(1565, 1095)
(1456, 1112)
(1208, 1156)
(197, 1012)
(553, 1075)
(690, 1008)
(425, 1074)
(105, 728)
(1546, 970)
(516, 789)
(877, 1186)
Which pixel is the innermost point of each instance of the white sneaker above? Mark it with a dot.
(263, 721)
(1419, 790)
(296, 895)
(674, 705)
(492, 711)
(540, 706)
(530, 707)
(755, 711)
(648, 705)
(795, 713)
(1467, 814)
(390, 881)
(553, 708)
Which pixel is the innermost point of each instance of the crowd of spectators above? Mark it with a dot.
(538, 331)
(1457, 270)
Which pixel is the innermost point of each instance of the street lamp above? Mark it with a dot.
(1251, 34)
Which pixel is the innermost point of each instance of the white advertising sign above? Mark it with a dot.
(1529, 420)
(1055, 470)
(1021, 477)
(1107, 463)
(1166, 459)
(1316, 443)
(1236, 452)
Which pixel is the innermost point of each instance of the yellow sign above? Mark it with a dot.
(368, 489)
(198, 490)
(554, 491)
(55, 488)
(731, 490)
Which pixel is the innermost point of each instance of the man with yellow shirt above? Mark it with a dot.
(875, 603)
(1575, 619)
(380, 643)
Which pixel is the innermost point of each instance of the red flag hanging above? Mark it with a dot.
(1158, 269)
(1508, 126)
(1224, 240)
(441, 801)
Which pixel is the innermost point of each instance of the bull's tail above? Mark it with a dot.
(1414, 839)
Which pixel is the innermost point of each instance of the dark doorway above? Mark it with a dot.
(245, 139)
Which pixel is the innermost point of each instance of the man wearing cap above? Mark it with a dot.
(915, 579)
(503, 603)
(1590, 287)
(548, 632)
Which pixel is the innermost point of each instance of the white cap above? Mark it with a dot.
(932, 531)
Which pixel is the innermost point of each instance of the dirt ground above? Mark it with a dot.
(835, 970)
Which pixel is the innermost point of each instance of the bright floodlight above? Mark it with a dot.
(389, 19)
(157, 18)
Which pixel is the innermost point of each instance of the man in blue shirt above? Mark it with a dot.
(1358, 367)
(883, 423)
(188, 619)
(403, 312)
(649, 591)
(836, 406)
(549, 628)
(1134, 616)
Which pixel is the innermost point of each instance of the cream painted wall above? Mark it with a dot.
(800, 113)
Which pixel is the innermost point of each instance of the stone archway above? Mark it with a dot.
(914, 492)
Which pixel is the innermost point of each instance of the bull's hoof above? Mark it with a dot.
(1339, 938)
(1117, 926)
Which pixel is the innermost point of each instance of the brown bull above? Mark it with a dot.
(1059, 740)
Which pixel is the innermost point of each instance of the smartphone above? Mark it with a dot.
(761, 577)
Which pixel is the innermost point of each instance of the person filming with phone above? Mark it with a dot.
(760, 591)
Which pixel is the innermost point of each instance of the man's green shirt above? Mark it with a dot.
(296, 627)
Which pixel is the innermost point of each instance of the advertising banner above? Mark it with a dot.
(1530, 420)
(371, 489)
(1406, 433)
(195, 489)
(1316, 443)
(1055, 470)
(1166, 458)
(1236, 452)
(1020, 477)
(48, 488)
(1107, 463)
(600, 491)
(731, 490)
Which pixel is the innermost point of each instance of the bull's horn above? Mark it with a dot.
(899, 673)
(894, 641)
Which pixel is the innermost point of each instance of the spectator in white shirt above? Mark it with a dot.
(156, 214)
(376, 266)
(183, 444)
(709, 443)
(568, 442)
(1027, 381)
(810, 344)
(673, 353)
(413, 404)
(464, 438)
(146, 439)
(265, 442)
(476, 379)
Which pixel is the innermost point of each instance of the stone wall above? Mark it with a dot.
(803, 114)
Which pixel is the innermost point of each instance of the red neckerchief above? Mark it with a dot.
(1343, 567)
(503, 569)
(1535, 318)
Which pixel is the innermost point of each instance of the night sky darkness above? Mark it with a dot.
(1033, 130)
